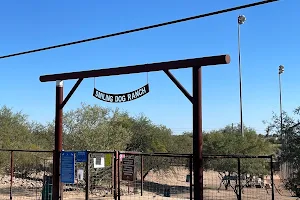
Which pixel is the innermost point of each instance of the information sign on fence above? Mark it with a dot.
(108, 160)
(128, 169)
(68, 167)
(81, 156)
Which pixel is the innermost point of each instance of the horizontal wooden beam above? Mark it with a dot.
(177, 64)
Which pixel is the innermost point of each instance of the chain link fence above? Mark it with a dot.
(22, 174)
(94, 177)
(154, 176)
(135, 175)
(101, 175)
(238, 177)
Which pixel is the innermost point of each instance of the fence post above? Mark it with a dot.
(191, 176)
(142, 174)
(87, 176)
(239, 176)
(115, 175)
(11, 173)
(272, 178)
(119, 183)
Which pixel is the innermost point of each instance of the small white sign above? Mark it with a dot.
(80, 174)
(99, 162)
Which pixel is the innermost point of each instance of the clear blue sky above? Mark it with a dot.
(269, 37)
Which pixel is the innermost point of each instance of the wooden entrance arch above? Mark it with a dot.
(196, 100)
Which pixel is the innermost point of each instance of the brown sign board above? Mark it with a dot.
(128, 169)
(276, 166)
(119, 98)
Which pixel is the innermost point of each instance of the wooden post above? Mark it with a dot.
(87, 176)
(142, 175)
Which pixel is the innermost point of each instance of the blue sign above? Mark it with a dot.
(81, 156)
(67, 167)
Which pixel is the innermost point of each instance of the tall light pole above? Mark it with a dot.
(280, 71)
(241, 20)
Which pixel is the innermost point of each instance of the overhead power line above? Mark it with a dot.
(139, 29)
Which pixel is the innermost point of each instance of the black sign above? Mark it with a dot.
(276, 166)
(119, 98)
(128, 169)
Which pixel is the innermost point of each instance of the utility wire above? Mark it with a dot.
(139, 29)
